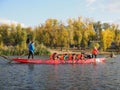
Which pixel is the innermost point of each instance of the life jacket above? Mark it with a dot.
(70, 57)
(62, 57)
(95, 51)
(51, 57)
(82, 56)
(79, 56)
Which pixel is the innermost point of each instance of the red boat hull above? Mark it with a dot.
(39, 61)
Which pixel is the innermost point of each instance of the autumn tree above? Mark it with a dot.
(63, 36)
(107, 37)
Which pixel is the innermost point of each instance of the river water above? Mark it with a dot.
(101, 76)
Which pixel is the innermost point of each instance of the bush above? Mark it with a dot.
(41, 50)
(11, 50)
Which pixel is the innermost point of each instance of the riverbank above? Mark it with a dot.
(79, 51)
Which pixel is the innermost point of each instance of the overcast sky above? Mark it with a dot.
(35, 12)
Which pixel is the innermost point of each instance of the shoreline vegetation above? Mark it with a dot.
(44, 51)
(86, 51)
(55, 36)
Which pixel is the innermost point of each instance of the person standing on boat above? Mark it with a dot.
(31, 50)
(95, 52)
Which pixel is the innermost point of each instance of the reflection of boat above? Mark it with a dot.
(40, 61)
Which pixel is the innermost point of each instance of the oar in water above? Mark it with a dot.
(8, 58)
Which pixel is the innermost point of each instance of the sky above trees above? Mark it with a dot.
(35, 12)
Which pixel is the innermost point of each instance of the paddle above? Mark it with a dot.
(10, 59)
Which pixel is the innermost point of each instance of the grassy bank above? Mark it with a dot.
(42, 50)
(11, 50)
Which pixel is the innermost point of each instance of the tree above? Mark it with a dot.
(1, 43)
(63, 37)
(46, 37)
(117, 38)
(70, 29)
(39, 34)
(77, 37)
(107, 37)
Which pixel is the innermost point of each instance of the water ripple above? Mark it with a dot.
(103, 76)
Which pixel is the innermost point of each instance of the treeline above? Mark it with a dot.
(78, 32)
(82, 33)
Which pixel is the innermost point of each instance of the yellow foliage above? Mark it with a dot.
(107, 38)
(117, 40)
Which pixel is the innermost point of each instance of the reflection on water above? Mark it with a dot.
(30, 77)
(102, 76)
(31, 67)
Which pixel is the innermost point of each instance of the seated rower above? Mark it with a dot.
(66, 57)
(51, 57)
(88, 56)
(54, 56)
(74, 57)
(61, 57)
(70, 57)
(82, 56)
(79, 56)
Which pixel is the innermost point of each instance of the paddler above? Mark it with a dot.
(70, 57)
(66, 56)
(95, 52)
(31, 50)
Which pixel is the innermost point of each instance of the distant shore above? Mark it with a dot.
(78, 51)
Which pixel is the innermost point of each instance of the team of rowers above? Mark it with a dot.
(80, 56)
